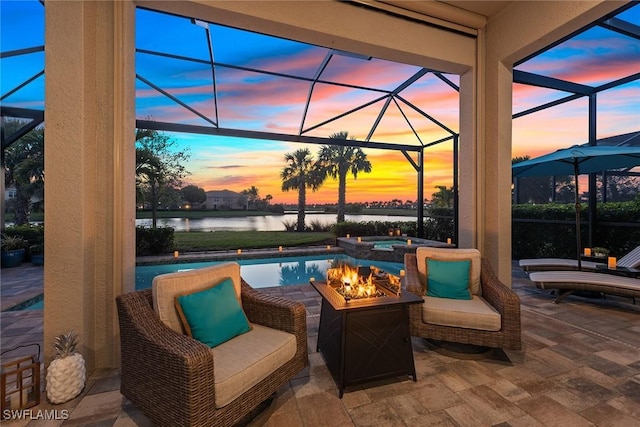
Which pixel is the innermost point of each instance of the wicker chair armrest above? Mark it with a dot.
(412, 280)
(501, 297)
(273, 312)
(178, 367)
(139, 320)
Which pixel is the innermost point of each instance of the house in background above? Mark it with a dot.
(9, 193)
(225, 200)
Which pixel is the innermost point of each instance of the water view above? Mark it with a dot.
(261, 223)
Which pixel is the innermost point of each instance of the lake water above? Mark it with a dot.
(261, 223)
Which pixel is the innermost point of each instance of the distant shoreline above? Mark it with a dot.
(237, 214)
(37, 218)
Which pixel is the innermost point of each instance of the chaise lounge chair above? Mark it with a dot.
(630, 260)
(566, 282)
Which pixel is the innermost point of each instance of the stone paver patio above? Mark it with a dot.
(580, 366)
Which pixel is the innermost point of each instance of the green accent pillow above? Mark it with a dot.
(214, 315)
(448, 279)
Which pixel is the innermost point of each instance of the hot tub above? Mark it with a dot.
(383, 248)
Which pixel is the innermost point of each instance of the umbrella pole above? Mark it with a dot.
(579, 244)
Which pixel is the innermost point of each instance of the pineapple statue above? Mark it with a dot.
(66, 374)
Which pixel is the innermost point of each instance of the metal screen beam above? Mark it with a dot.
(622, 27)
(36, 116)
(551, 83)
(238, 133)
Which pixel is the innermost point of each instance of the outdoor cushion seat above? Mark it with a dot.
(540, 264)
(491, 318)
(569, 281)
(244, 361)
(475, 313)
(176, 380)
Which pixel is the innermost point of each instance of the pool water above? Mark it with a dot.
(386, 244)
(35, 306)
(268, 272)
(260, 273)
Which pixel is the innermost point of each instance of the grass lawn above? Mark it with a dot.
(221, 240)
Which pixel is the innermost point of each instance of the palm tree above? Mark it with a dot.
(252, 195)
(443, 198)
(24, 168)
(299, 174)
(337, 161)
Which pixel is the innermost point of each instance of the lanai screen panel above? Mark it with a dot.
(22, 47)
(220, 77)
(602, 61)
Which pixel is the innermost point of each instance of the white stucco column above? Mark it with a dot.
(518, 31)
(90, 163)
(469, 232)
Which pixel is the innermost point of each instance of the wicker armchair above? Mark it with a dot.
(170, 376)
(503, 299)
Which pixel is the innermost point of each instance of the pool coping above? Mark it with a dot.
(22, 305)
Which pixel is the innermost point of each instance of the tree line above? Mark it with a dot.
(160, 172)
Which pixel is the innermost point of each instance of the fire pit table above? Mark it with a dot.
(365, 338)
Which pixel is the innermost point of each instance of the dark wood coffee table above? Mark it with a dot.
(365, 339)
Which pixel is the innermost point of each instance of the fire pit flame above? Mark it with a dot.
(351, 285)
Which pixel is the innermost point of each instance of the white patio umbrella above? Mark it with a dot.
(576, 160)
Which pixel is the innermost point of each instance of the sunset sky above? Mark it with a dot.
(273, 103)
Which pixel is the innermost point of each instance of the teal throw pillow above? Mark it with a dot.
(214, 315)
(448, 279)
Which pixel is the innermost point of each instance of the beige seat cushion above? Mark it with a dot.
(247, 359)
(608, 282)
(472, 314)
(444, 254)
(166, 286)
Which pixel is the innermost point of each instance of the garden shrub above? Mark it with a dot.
(154, 241)
(33, 234)
(438, 224)
(317, 227)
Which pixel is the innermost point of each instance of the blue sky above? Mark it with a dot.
(273, 103)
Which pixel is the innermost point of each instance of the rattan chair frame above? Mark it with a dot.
(501, 297)
(169, 376)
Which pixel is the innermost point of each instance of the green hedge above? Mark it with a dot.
(438, 225)
(373, 228)
(154, 241)
(540, 239)
(33, 234)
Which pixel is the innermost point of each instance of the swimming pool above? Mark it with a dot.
(268, 272)
(35, 306)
